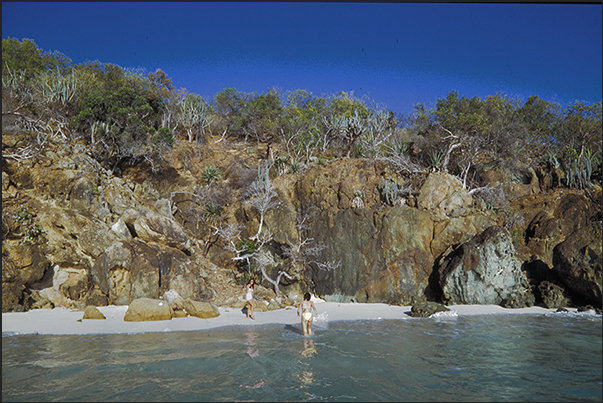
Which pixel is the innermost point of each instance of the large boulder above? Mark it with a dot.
(577, 261)
(67, 288)
(553, 295)
(176, 302)
(485, 271)
(456, 230)
(71, 281)
(150, 226)
(384, 257)
(200, 309)
(146, 309)
(444, 195)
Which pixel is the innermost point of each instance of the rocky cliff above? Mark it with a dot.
(75, 234)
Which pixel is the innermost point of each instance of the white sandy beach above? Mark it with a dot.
(61, 321)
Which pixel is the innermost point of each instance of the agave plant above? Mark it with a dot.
(210, 173)
(436, 158)
(56, 88)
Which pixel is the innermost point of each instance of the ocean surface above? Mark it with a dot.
(551, 357)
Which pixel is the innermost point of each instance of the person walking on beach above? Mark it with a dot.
(305, 307)
(249, 298)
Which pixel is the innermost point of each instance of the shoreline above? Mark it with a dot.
(62, 321)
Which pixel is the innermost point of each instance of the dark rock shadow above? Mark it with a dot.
(294, 329)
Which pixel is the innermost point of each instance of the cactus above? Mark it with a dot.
(392, 191)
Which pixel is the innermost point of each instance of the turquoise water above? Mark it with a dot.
(553, 357)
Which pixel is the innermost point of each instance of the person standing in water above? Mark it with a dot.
(249, 298)
(305, 307)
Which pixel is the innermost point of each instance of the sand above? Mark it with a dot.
(62, 321)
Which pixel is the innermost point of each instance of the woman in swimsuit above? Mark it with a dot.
(249, 298)
(306, 307)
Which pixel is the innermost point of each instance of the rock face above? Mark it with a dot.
(578, 259)
(556, 220)
(75, 235)
(386, 255)
(153, 227)
(390, 261)
(24, 265)
(133, 269)
(485, 271)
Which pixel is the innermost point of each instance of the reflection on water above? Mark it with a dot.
(309, 348)
(305, 375)
(252, 350)
(482, 358)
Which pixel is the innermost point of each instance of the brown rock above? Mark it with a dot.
(94, 296)
(199, 309)
(442, 194)
(92, 312)
(577, 261)
(556, 220)
(147, 309)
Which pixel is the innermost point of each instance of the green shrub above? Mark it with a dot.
(164, 135)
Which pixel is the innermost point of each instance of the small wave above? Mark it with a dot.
(591, 313)
(448, 314)
(322, 317)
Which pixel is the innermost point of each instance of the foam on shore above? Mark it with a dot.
(62, 321)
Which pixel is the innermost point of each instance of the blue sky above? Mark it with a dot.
(395, 55)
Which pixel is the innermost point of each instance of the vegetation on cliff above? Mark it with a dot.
(127, 116)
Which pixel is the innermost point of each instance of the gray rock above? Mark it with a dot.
(95, 237)
(553, 296)
(484, 271)
(121, 230)
(426, 308)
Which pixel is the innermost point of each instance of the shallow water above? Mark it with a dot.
(553, 357)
